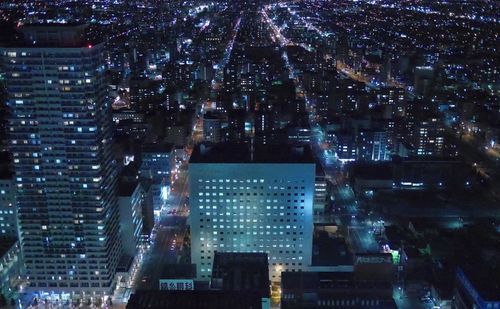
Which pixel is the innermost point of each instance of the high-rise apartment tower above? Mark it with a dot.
(65, 176)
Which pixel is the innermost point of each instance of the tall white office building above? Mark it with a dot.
(65, 176)
(252, 200)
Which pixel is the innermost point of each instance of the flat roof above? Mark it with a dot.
(127, 187)
(372, 171)
(52, 35)
(157, 147)
(153, 299)
(327, 281)
(211, 115)
(130, 170)
(243, 153)
(241, 271)
(330, 251)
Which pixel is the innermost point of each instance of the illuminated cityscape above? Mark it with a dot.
(250, 154)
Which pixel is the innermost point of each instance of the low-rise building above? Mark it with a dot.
(237, 271)
(197, 299)
(333, 290)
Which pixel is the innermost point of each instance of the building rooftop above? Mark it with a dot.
(429, 159)
(211, 115)
(241, 272)
(127, 187)
(130, 171)
(57, 35)
(242, 153)
(327, 280)
(158, 147)
(330, 251)
(206, 299)
(379, 171)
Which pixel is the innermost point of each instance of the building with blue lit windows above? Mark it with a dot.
(156, 166)
(65, 176)
(246, 199)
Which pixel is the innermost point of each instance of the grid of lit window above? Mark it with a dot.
(60, 133)
(271, 215)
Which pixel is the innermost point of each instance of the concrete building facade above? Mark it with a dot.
(256, 202)
(65, 176)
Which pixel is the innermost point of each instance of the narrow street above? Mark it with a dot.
(168, 236)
